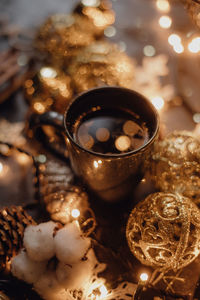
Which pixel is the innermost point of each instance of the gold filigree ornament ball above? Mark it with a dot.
(163, 231)
(48, 89)
(175, 165)
(62, 36)
(99, 12)
(101, 63)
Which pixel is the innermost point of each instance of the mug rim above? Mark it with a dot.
(114, 155)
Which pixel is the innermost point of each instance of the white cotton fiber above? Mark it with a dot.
(39, 241)
(75, 276)
(70, 246)
(26, 269)
(47, 285)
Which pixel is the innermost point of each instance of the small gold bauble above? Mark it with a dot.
(48, 89)
(175, 165)
(163, 231)
(99, 12)
(62, 35)
(100, 64)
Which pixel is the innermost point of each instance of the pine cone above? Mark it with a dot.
(13, 221)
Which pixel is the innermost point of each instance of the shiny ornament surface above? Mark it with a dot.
(49, 88)
(100, 64)
(175, 165)
(163, 231)
(62, 36)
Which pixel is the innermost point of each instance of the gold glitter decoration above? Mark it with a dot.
(175, 165)
(193, 8)
(62, 35)
(99, 13)
(100, 64)
(48, 89)
(163, 231)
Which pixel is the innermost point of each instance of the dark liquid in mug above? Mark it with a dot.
(110, 131)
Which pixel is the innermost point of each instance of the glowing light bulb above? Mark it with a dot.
(158, 102)
(75, 213)
(1, 167)
(39, 107)
(144, 277)
(178, 48)
(48, 72)
(93, 3)
(174, 39)
(163, 5)
(95, 163)
(165, 22)
(149, 50)
(103, 291)
(194, 45)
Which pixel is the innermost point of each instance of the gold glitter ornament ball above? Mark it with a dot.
(62, 35)
(175, 165)
(163, 231)
(48, 89)
(99, 12)
(101, 63)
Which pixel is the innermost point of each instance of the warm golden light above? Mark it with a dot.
(22, 158)
(39, 107)
(48, 72)
(158, 102)
(1, 167)
(103, 291)
(123, 143)
(102, 134)
(149, 50)
(101, 294)
(144, 277)
(95, 163)
(75, 213)
(93, 3)
(178, 48)
(174, 39)
(163, 5)
(194, 45)
(165, 22)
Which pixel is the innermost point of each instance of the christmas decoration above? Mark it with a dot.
(175, 164)
(99, 64)
(64, 201)
(49, 88)
(163, 231)
(62, 36)
(99, 12)
(13, 221)
(193, 7)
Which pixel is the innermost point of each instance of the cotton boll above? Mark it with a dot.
(70, 246)
(47, 286)
(39, 242)
(74, 276)
(25, 269)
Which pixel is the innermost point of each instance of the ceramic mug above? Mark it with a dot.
(111, 176)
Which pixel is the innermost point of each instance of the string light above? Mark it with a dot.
(163, 5)
(1, 167)
(174, 39)
(142, 282)
(158, 102)
(178, 48)
(75, 213)
(194, 45)
(165, 22)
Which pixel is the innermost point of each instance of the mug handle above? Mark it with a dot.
(54, 119)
